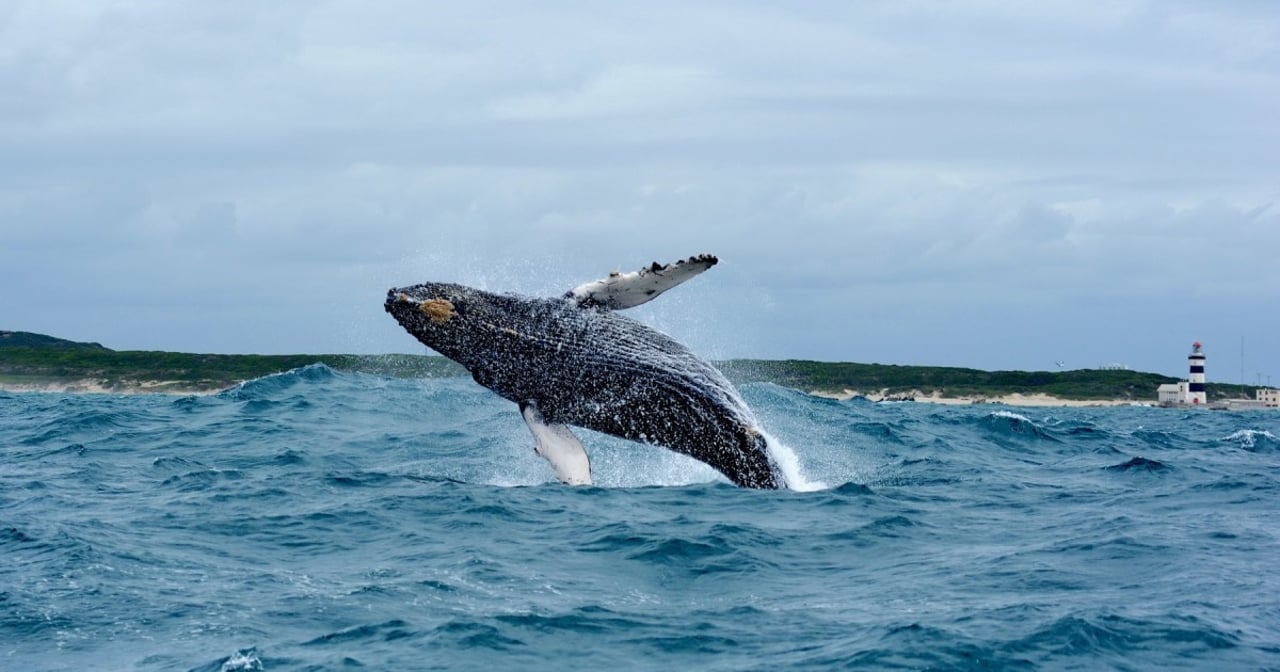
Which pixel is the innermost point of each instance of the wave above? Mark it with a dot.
(1156, 438)
(1099, 637)
(366, 527)
(1253, 440)
(243, 660)
(1139, 464)
(266, 386)
(1010, 424)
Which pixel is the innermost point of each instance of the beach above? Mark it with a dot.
(183, 388)
(1015, 399)
(99, 386)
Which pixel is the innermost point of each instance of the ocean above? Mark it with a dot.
(316, 520)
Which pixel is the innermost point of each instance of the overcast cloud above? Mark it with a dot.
(973, 183)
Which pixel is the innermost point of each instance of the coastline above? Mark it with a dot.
(88, 386)
(184, 388)
(1014, 399)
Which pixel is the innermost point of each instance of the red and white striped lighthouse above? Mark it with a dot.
(1195, 383)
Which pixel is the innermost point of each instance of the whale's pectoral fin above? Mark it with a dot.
(625, 290)
(559, 446)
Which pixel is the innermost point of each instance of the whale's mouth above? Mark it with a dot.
(405, 300)
(400, 302)
(403, 297)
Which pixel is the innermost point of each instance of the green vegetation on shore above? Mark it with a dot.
(33, 359)
(895, 380)
(132, 369)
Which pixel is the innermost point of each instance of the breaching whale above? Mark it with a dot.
(573, 360)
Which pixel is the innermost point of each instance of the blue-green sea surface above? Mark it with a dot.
(316, 520)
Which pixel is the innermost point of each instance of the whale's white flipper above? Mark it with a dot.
(559, 446)
(626, 290)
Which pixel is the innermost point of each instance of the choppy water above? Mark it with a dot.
(316, 520)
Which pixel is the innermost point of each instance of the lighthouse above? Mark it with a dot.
(1195, 382)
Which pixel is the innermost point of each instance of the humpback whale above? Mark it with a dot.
(573, 360)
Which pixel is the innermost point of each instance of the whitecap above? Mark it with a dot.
(1248, 438)
(242, 661)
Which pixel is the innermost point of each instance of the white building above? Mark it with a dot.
(1172, 394)
(1270, 397)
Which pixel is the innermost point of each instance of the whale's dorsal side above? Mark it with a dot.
(627, 290)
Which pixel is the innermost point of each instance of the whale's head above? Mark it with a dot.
(443, 316)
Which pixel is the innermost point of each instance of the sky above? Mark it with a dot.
(979, 183)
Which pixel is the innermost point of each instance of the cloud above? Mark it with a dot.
(624, 91)
(968, 183)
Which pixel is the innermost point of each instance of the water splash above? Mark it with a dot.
(789, 462)
(1250, 438)
(242, 661)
